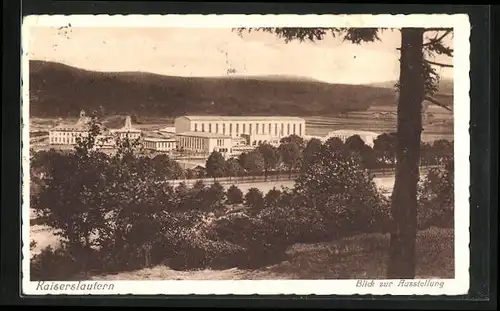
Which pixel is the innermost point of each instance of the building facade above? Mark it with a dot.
(67, 134)
(167, 144)
(367, 136)
(204, 143)
(257, 129)
(127, 131)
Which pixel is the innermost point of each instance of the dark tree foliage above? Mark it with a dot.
(254, 199)
(234, 195)
(233, 168)
(310, 152)
(216, 165)
(299, 141)
(271, 157)
(355, 144)
(272, 197)
(384, 147)
(215, 196)
(252, 162)
(436, 196)
(335, 143)
(290, 154)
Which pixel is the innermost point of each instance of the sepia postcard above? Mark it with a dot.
(245, 154)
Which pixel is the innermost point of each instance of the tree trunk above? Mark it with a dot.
(402, 259)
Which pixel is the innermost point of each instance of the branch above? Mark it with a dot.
(435, 102)
(438, 29)
(433, 41)
(438, 64)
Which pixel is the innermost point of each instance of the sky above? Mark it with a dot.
(212, 51)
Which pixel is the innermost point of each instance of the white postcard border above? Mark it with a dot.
(456, 286)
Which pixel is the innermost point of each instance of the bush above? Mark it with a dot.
(272, 197)
(336, 197)
(254, 199)
(60, 264)
(436, 197)
(234, 195)
(195, 251)
(259, 243)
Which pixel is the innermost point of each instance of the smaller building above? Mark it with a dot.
(165, 144)
(127, 131)
(238, 150)
(204, 143)
(67, 134)
(168, 130)
(367, 136)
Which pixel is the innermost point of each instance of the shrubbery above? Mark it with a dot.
(436, 197)
(117, 213)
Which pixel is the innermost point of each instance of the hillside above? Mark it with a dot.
(57, 90)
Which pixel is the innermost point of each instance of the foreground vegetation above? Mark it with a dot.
(360, 257)
(116, 212)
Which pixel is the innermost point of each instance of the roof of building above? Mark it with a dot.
(126, 130)
(159, 134)
(242, 118)
(161, 139)
(168, 129)
(70, 128)
(352, 132)
(203, 134)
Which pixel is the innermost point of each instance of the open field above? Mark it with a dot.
(358, 257)
(441, 126)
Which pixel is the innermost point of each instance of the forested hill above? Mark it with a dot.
(57, 90)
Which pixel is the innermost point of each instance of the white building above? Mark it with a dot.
(67, 134)
(166, 144)
(127, 131)
(168, 130)
(367, 136)
(204, 143)
(258, 129)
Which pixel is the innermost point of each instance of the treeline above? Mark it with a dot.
(294, 154)
(116, 212)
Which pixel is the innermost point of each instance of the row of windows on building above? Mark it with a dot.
(70, 133)
(260, 128)
(160, 145)
(192, 143)
(63, 140)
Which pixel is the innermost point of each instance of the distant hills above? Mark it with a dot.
(445, 86)
(58, 90)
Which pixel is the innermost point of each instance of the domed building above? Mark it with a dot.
(66, 134)
(367, 136)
